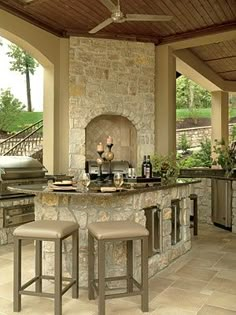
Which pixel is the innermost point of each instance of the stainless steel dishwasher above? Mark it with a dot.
(222, 203)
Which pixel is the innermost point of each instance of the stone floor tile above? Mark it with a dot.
(223, 300)
(226, 263)
(188, 272)
(189, 284)
(212, 310)
(222, 285)
(171, 310)
(187, 300)
(201, 263)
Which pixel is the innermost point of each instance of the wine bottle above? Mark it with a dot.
(144, 166)
(148, 167)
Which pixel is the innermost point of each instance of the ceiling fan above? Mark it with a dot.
(118, 16)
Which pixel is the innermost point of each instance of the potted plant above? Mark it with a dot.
(166, 167)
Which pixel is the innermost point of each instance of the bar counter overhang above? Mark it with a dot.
(133, 205)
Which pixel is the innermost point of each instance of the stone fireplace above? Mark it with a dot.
(111, 93)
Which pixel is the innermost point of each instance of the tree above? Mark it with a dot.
(26, 65)
(9, 109)
(190, 95)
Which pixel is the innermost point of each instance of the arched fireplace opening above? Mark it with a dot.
(122, 131)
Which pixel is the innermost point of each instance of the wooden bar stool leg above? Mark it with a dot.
(58, 277)
(38, 266)
(75, 265)
(101, 277)
(91, 263)
(17, 275)
(144, 270)
(129, 266)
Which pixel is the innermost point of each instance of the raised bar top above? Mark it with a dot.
(42, 189)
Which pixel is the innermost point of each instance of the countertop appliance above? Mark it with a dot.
(222, 203)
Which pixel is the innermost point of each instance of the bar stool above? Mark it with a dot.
(113, 231)
(39, 231)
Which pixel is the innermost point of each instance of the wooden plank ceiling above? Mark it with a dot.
(190, 18)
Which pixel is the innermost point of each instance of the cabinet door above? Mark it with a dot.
(222, 202)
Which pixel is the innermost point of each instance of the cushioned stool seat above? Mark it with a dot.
(39, 231)
(117, 231)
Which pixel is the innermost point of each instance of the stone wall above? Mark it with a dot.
(110, 77)
(196, 135)
(97, 207)
(203, 191)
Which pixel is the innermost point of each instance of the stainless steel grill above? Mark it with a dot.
(16, 208)
(18, 170)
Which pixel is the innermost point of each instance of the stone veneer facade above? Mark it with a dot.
(86, 209)
(110, 77)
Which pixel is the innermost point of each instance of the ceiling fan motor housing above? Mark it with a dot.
(118, 17)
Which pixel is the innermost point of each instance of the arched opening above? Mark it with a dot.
(122, 131)
(52, 53)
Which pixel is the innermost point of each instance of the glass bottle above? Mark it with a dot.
(148, 167)
(144, 166)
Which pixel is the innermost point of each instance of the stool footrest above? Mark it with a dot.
(41, 294)
(117, 295)
(68, 286)
(120, 295)
(50, 295)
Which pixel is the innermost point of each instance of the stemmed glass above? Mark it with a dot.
(85, 180)
(118, 179)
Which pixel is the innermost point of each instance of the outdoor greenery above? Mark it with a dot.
(166, 166)
(183, 144)
(25, 64)
(24, 120)
(202, 158)
(225, 156)
(190, 95)
(10, 108)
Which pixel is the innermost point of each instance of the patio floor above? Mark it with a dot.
(202, 282)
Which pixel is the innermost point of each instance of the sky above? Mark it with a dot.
(16, 82)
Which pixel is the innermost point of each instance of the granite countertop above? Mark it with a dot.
(206, 172)
(43, 189)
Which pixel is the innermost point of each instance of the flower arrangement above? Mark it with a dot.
(225, 156)
(166, 166)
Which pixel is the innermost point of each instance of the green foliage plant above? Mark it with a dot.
(233, 133)
(184, 145)
(10, 107)
(166, 166)
(225, 156)
(201, 158)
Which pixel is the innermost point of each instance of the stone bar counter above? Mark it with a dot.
(85, 208)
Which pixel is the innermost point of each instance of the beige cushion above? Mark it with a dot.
(117, 230)
(46, 229)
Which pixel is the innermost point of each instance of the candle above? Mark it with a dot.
(109, 140)
(100, 147)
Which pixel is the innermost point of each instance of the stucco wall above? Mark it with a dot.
(110, 77)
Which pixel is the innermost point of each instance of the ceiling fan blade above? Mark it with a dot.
(101, 25)
(109, 4)
(147, 17)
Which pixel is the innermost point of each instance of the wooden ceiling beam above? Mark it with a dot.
(119, 36)
(188, 39)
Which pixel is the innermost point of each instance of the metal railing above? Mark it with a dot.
(25, 142)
